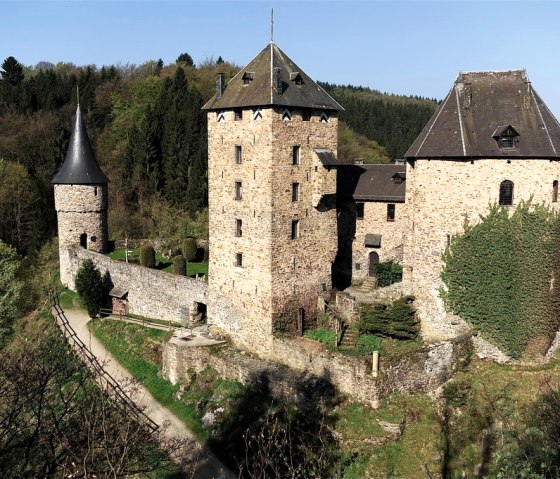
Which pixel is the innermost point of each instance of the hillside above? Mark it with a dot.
(149, 135)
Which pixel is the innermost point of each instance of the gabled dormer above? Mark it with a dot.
(296, 78)
(248, 77)
(505, 135)
(399, 177)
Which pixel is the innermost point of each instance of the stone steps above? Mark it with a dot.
(349, 338)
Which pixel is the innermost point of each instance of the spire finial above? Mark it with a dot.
(78, 94)
(272, 25)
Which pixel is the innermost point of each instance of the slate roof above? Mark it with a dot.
(80, 166)
(481, 104)
(326, 156)
(371, 183)
(297, 89)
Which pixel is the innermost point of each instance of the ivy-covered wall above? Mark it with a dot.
(502, 275)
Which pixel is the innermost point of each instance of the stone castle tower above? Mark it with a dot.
(492, 140)
(80, 193)
(272, 143)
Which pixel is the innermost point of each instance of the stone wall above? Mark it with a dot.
(425, 369)
(440, 195)
(275, 271)
(375, 222)
(81, 210)
(151, 293)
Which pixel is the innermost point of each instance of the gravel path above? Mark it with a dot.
(208, 465)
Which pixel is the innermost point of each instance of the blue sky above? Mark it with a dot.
(406, 47)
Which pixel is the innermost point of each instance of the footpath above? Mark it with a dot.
(207, 466)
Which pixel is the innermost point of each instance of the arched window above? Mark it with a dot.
(555, 191)
(506, 193)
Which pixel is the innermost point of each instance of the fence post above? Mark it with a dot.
(375, 363)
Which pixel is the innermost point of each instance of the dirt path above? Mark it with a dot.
(208, 466)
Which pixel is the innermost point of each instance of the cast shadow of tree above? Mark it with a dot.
(275, 433)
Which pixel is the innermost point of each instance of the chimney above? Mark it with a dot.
(220, 85)
(277, 80)
(358, 161)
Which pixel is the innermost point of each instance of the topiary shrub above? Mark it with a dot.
(147, 256)
(189, 249)
(397, 320)
(180, 265)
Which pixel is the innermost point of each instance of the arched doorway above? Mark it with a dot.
(373, 260)
(83, 240)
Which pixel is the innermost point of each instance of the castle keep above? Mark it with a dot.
(272, 141)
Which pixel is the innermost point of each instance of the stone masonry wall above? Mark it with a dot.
(81, 209)
(151, 293)
(375, 222)
(423, 370)
(275, 269)
(440, 195)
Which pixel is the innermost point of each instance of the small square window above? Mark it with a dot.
(296, 153)
(295, 229)
(306, 114)
(358, 266)
(295, 191)
(239, 260)
(506, 142)
(238, 154)
(238, 112)
(360, 211)
(390, 212)
(238, 190)
(238, 228)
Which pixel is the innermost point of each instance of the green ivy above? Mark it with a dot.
(387, 273)
(501, 275)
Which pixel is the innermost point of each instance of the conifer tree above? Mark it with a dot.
(89, 287)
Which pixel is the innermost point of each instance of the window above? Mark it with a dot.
(391, 212)
(95, 191)
(506, 142)
(238, 190)
(239, 260)
(555, 191)
(287, 115)
(360, 211)
(306, 114)
(324, 117)
(238, 113)
(220, 116)
(506, 193)
(238, 154)
(238, 228)
(295, 191)
(295, 229)
(296, 155)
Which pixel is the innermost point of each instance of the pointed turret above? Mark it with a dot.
(80, 166)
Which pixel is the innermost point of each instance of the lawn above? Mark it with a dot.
(163, 264)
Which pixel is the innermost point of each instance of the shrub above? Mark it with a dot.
(147, 256)
(397, 320)
(89, 287)
(180, 265)
(189, 249)
(387, 273)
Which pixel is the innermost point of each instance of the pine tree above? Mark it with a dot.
(13, 71)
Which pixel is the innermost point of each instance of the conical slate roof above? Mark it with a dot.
(80, 166)
(272, 78)
(480, 109)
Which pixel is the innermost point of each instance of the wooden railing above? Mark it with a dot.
(91, 361)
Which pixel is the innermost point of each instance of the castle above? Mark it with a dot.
(286, 222)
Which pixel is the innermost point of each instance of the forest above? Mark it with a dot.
(149, 136)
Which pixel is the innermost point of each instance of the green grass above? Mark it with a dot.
(324, 336)
(133, 347)
(163, 264)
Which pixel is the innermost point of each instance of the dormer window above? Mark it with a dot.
(296, 78)
(248, 77)
(398, 178)
(505, 136)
